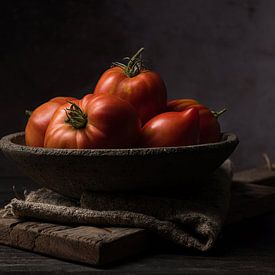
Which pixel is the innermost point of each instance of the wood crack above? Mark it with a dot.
(42, 231)
(12, 228)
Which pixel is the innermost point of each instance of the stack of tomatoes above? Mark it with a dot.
(127, 109)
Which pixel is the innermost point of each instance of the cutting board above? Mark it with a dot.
(103, 246)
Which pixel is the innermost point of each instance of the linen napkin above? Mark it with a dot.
(190, 218)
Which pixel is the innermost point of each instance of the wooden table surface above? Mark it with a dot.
(245, 247)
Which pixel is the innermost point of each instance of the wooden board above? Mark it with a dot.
(250, 200)
(86, 244)
(258, 175)
(103, 246)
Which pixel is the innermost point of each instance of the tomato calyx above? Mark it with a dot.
(28, 113)
(75, 116)
(219, 113)
(134, 65)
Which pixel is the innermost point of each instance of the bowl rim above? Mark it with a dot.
(7, 144)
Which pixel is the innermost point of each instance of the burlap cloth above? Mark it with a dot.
(190, 219)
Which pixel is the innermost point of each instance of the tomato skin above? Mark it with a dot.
(39, 120)
(111, 123)
(172, 129)
(62, 100)
(179, 105)
(146, 91)
(210, 130)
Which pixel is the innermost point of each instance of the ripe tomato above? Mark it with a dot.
(172, 129)
(178, 105)
(39, 120)
(210, 130)
(144, 89)
(96, 121)
(61, 99)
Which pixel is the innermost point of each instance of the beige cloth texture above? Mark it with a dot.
(192, 219)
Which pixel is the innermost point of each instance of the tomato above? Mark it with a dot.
(178, 105)
(210, 130)
(61, 99)
(96, 121)
(144, 89)
(39, 120)
(172, 129)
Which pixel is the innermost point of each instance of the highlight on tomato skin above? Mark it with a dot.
(95, 122)
(172, 129)
(141, 87)
(39, 120)
(210, 130)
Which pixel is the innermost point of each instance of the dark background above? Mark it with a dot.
(221, 52)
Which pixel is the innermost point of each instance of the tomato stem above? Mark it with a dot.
(134, 65)
(28, 113)
(219, 113)
(75, 116)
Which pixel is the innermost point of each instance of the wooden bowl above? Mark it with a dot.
(71, 171)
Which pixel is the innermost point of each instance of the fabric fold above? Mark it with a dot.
(190, 219)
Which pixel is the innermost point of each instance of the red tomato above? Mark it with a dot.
(144, 89)
(40, 119)
(62, 100)
(210, 130)
(96, 121)
(178, 105)
(172, 129)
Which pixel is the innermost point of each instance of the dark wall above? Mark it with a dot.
(221, 52)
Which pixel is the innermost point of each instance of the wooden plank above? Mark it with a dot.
(86, 244)
(258, 175)
(250, 200)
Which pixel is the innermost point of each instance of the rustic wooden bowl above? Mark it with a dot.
(71, 171)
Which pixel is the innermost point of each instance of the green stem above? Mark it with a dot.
(136, 56)
(118, 64)
(219, 113)
(75, 116)
(28, 113)
(134, 65)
